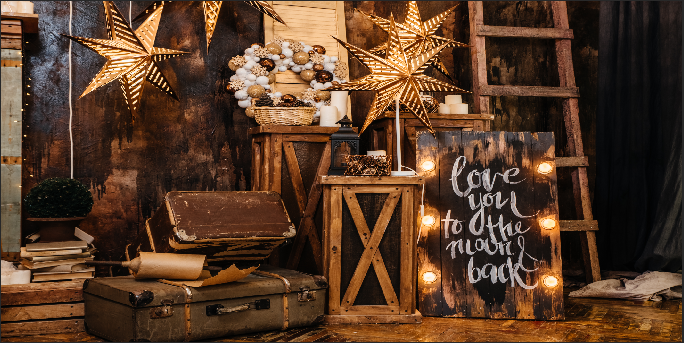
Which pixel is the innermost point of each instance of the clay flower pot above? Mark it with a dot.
(56, 229)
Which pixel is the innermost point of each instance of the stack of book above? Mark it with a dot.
(55, 261)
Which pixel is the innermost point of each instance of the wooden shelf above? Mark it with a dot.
(29, 20)
(469, 116)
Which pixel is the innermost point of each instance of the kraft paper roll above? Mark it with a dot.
(453, 99)
(169, 266)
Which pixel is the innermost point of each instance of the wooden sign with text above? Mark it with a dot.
(493, 249)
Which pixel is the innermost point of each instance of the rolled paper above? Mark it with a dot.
(458, 108)
(339, 100)
(20, 277)
(10, 6)
(444, 109)
(376, 153)
(328, 116)
(169, 266)
(453, 99)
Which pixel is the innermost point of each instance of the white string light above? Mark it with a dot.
(130, 4)
(71, 113)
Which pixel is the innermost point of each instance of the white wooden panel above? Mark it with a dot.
(11, 103)
(10, 208)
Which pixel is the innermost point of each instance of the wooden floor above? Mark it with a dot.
(588, 320)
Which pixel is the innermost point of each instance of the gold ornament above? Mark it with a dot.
(323, 95)
(418, 36)
(300, 58)
(324, 76)
(317, 67)
(307, 75)
(271, 78)
(399, 74)
(131, 56)
(255, 91)
(211, 13)
(274, 48)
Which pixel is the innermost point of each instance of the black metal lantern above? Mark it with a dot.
(342, 143)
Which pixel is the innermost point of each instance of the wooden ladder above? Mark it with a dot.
(562, 34)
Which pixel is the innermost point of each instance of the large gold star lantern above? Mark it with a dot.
(131, 56)
(416, 35)
(211, 12)
(398, 74)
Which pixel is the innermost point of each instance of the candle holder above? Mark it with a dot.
(343, 143)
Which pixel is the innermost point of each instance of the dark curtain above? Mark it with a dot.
(638, 198)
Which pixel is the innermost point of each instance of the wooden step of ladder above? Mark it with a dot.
(567, 90)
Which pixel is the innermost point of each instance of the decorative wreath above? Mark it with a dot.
(255, 71)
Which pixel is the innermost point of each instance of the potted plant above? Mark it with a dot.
(58, 205)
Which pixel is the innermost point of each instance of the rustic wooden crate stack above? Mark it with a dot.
(42, 308)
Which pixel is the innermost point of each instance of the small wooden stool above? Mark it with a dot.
(376, 224)
(382, 132)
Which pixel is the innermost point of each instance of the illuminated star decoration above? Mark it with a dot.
(416, 35)
(131, 56)
(398, 74)
(211, 12)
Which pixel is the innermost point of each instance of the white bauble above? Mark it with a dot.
(333, 59)
(251, 77)
(244, 103)
(267, 86)
(291, 64)
(318, 86)
(307, 48)
(319, 104)
(247, 57)
(255, 46)
(308, 65)
(282, 68)
(233, 78)
(287, 52)
(248, 83)
(296, 69)
(287, 61)
(326, 59)
(327, 85)
(256, 59)
(275, 57)
(336, 79)
(329, 67)
(277, 94)
(285, 44)
(241, 72)
(278, 63)
(262, 80)
(313, 83)
(249, 51)
(241, 95)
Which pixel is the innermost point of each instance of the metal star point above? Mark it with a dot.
(398, 74)
(416, 35)
(131, 56)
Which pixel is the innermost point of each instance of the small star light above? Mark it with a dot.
(131, 56)
(416, 35)
(398, 74)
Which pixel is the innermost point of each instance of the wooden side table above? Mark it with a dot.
(371, 221)
(382, 131)
(306, 152)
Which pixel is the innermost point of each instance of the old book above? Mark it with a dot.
(35, 265)
(25, 253)
(56, 246)
(65, 268)
(62, 276)
(58, 257)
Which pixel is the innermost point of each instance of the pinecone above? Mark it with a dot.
(299, 103)
(264, 100)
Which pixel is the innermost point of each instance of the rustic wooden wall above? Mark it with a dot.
(197, 143)
(518, 61)
(201, 142)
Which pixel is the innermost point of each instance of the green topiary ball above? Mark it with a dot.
(59, 197)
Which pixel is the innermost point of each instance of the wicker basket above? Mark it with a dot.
(284, 115)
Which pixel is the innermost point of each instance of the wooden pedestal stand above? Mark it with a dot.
(307, 155)
(382, 131)
(371, 221)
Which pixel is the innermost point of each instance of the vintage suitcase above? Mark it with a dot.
(225, 226)
(123, 309)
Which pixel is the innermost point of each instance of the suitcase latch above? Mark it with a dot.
(162, 311)
(306, 295)
(218, 309)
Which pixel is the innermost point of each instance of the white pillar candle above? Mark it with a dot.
(328, 116)
(376, 153)
(453, 99)
(458, 108)
(25, 7)
(444, 109)
(339, 100)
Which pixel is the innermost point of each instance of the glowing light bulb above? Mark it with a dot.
(429, 277)
(428, 165)
(548, 223)
(550, 281)
(428, 220)
(544, 168)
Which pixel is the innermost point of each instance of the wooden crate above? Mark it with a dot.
(288, 160)
(381, 132)
(371, 221)
(42, 308)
